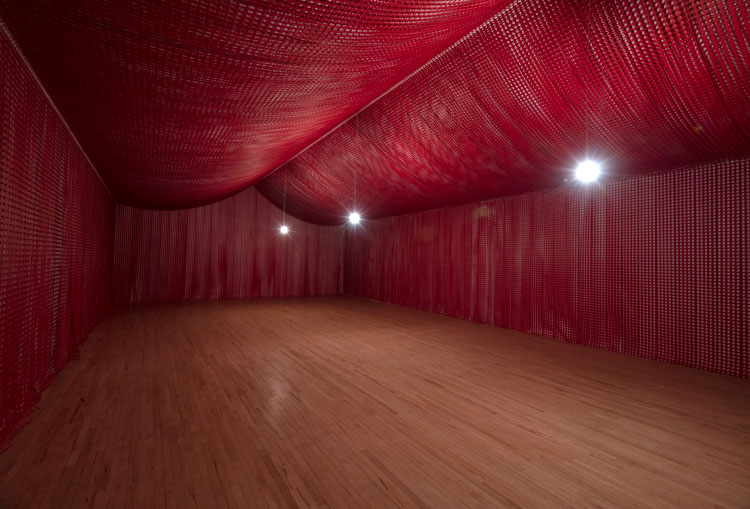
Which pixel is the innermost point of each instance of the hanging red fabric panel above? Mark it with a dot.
(653, 266)
(56, 225)
(229, 249)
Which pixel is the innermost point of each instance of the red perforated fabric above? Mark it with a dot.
(229, 249)
(56, 221)
(654, 266)
(648, 85)
(185, 101)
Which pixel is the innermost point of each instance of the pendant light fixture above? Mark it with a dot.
(354, 216)
(587, 170)
(284, 229)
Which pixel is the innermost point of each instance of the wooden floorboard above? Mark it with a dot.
(342, 402)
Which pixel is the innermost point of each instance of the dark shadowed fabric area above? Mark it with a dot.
(654, 266)
(229, 249)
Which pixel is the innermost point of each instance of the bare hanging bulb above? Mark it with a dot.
(284, 229)
(588, 171)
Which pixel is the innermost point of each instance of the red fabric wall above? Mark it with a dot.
(655, 266)
(56, 223)
(229, 249)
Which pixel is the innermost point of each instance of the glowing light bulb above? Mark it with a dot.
(354, 218)
(284, 229)
(588, 171)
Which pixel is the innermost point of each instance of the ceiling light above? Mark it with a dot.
(588, 171)
(354, 218)
(284, 229)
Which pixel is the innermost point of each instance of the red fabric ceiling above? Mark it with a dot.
(504, 111)
(184, 102)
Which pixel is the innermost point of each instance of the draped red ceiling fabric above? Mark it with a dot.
(654, 266)
(56, 224)
(182, 102)
(226, 250)
(646, 85)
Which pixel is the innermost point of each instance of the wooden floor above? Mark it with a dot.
(343, 402)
